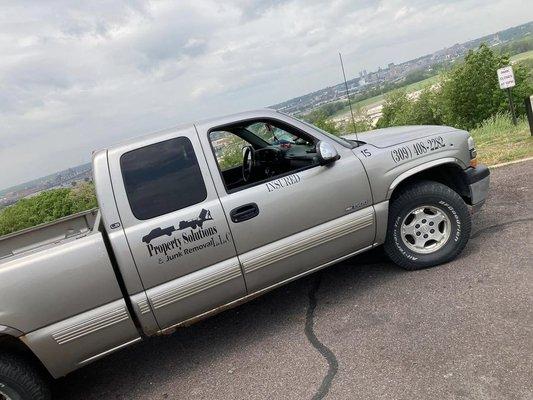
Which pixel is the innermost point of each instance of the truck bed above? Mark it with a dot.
(48, 234)
(59, 290)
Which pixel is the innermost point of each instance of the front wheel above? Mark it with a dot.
(429, 224)
(20, 381)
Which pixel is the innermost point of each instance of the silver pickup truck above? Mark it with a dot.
(205, 216)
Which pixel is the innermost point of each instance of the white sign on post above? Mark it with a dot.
(506, 77)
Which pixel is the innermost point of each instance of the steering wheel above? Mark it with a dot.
(248, 161)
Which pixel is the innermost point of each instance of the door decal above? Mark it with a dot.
(193, 231)
(205, 215)
(283, 182)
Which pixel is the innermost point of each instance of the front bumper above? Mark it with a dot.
(478, 180)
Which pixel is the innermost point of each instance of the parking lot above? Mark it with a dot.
(363, 329)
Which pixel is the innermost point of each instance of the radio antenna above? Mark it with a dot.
(348, 96)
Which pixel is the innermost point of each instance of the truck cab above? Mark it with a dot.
(210, 213)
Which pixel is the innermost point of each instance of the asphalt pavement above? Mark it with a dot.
(362, 329)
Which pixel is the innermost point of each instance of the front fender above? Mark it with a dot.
(387, 167)
(422, 167)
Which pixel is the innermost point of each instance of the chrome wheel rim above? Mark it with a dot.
(425, 229)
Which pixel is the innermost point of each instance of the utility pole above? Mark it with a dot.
(529, 111)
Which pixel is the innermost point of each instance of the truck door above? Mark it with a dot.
(287, 214)
(175, 226)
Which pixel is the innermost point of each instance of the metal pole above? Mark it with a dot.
(348, 95)
(529, 111)
(511, 104)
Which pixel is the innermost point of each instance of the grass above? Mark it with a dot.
(522, 56)
(498, 140)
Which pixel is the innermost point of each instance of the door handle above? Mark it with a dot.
(244, 213)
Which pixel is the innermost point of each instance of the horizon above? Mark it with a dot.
(65, 111)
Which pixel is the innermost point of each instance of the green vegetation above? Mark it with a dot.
(46, 207)
(528, 55)
(468, 97)
(527, 64)
(525, 60)
(470, 93)
(364, 101)
(465, 96)
(399, 109)
(518, 46)
(416, 80)
(498, 140)
(327, 110)
(233, 154)
(322, 120)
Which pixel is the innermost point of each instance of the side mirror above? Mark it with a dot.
(327, 154)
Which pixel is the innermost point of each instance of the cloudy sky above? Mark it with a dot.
(78, 76)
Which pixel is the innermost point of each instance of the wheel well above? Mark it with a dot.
(450, 175)
(12, 345)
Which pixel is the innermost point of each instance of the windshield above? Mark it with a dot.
(274, 135)
(343, 142)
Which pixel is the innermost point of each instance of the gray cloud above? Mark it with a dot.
(76, 76)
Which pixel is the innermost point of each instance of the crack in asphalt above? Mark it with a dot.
(496, 226)
(333, 364)
(330, 357)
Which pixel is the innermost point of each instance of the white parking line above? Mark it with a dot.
(510, 162)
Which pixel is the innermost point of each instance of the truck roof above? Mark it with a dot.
(221, 120)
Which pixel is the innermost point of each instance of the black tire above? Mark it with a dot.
(448, 202)
(20, 381)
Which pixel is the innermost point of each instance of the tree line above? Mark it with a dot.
(47, 207)
(463, 97)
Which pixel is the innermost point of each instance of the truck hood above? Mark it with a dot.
(393, 136)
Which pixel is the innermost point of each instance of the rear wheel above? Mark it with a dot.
(429, 224)
(20, 381)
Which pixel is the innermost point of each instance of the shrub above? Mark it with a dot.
(470, 92)
(46, 207)
(399, 109)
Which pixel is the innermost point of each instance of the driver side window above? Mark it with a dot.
(256, 151)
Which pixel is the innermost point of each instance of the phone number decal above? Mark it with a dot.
(420, 148)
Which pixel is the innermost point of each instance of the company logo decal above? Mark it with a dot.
(194, 237)
(205, 215)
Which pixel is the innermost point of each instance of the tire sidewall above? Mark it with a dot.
(457, 233)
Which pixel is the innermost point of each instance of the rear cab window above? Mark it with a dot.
(162, 178)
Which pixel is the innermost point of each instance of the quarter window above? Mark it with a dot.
(162, 178)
